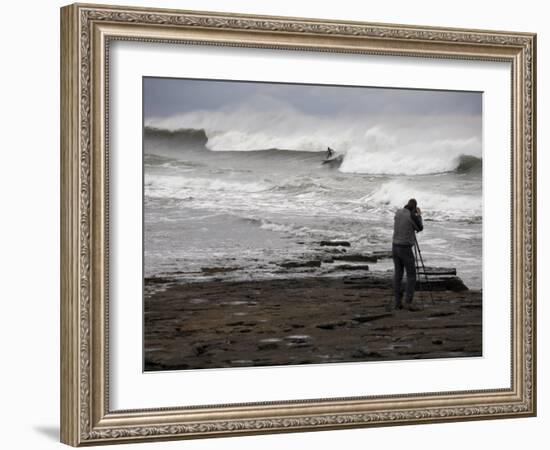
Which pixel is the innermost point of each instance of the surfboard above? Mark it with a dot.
(334, 161)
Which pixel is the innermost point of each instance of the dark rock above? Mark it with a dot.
(362, 352)
(439, 283)
(212, 270)
(268, 346)
(298, 339)
(297, 264)
(182, 332)
(350, 267)
(370, 318)
(332, 326)
(457, 349)
(158, 280)
(442, 283)
(442, 314)
(323, 306)
(356, 258)
(334, 251)
(334, 244)
(199, 349)
(432, 271)
(409, 353)
(382, 254)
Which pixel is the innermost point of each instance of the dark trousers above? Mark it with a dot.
(403, 258)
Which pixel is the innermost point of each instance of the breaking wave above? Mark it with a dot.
(377, 154)
(435, 205)
(369, 144)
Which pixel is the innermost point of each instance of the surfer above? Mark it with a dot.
(330, 153)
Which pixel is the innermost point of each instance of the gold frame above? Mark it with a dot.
(86, 31)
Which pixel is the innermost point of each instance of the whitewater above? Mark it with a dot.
(224, 191)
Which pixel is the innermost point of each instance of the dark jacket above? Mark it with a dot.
(404, 225)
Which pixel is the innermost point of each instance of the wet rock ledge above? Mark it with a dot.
(306, 320)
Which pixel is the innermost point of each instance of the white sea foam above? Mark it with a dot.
(181, 187)
(394, 154)
(434, 204)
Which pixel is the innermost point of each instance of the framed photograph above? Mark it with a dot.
(276, 224)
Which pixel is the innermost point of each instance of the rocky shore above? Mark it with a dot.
(306, 320)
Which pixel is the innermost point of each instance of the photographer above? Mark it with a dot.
(407, 221)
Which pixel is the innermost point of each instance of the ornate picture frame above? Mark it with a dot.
(87, 32)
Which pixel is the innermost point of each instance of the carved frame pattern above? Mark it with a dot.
(79, 378)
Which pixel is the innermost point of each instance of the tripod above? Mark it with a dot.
(418, 258)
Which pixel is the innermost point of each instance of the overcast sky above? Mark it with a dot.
(164, 97)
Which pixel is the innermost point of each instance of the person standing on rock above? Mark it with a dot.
(407, 221)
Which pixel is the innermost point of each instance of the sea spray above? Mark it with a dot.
(369, 145)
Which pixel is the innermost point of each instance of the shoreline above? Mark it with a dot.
(305, 320)
(200, 244)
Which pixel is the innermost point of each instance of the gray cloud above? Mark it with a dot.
(164, 97)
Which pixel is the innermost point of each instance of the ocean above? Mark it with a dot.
(237, 205)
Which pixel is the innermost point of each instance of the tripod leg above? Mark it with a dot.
(424, 269)
(417, 267)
